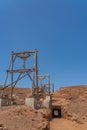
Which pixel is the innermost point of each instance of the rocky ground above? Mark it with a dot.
(64, 124)
(19, 94)
(73, 102)
(22, 118)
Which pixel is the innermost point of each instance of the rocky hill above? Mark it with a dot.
(19, 94)
(73, 102)
(22, 118)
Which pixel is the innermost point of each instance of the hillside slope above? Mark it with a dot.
(73, 102)
(22, 118)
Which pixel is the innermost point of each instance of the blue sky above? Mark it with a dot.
(57, 28)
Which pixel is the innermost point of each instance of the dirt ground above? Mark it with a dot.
(64, 124)
(22, 118)
(73, 102)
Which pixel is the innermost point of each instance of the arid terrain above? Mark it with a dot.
(22, 118)
(72, 101)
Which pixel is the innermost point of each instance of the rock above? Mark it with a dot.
(73, 102)
(22, 118)
(2, 127)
